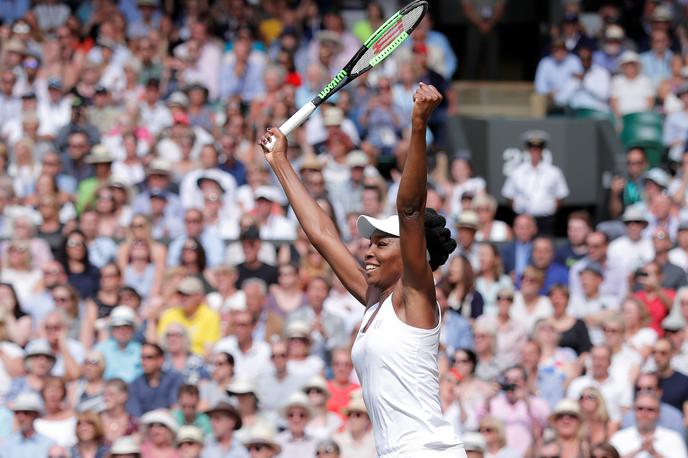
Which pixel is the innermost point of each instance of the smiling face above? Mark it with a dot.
(383, 260)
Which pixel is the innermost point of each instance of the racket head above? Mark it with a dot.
(388, 37)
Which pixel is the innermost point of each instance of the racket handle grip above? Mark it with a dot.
(292, 123)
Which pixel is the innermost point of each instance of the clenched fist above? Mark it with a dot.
(425, 100)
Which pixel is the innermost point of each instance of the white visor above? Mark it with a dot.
(367, 225)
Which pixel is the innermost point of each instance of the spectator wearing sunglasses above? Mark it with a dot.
(669, 416)
(356, 441)
(261, 443)
(647, 438)
(295, 442)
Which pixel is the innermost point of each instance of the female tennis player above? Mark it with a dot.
(395, 352)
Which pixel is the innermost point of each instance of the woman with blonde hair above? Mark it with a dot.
(529, 305)
(560, 364)
(596, 427)
(492, 430)
(639, 335)
(89, 435)
(20, 271)
(566, 421)
(489, 229)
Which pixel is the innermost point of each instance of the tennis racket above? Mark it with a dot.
(381, 44)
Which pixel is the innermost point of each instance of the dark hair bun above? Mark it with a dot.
(437, 238)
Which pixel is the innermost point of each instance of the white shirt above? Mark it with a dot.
(398, 368)
(155, 117)
(617, 395)
(53, 116)
(632, 94)
(679, 257)
(581, 306)
(192, 196)
(615, 283)
(623, 362)
(675, 128)
(592, 92)
(520, 314)
(535, 190)
(665, 441)
(632, 255)
(246, 365)
(278, 228)
(475, 185)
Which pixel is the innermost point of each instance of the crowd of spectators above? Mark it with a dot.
(158, 298)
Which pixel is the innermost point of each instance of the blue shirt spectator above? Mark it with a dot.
(155, 388)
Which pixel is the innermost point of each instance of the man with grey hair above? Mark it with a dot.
(26, 442)
(250, 355)
(69, 353)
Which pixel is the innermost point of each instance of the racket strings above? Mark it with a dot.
(405, 23)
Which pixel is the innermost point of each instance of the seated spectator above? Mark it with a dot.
(19, 323)
(669, 416)
(276, 382)
(178, 355)
(463, 180)
(81, 274)
(253, 267)
(287, 294)
(628, 190)
(488, 367)
(341, 387)
(140, 272)
(69, 353)
(86, 393)
(529, 304)
(516, 254)
(155, 388)
(617, 393)
(356, 440)
(26, 441)
(557, 362)
(472, 391)
(188, 412)
(543, 258)
(225, 421)
(300, 360)
(39, 361)
(565, 420)
(615, 276)
(587, 89)
(595, 427)
(250, 355)
(593, 307)
(631, 91)
(221, 376)
(19, 271)
(639, 336)
(573, 332)
(674, 384)
(679, 255)
(455, 330)
(322, 423)
(159, 433)
(492, 430)
(626, 361)
(200, 322)
(295, 441)
(189, 441)
(656, 62)
(121, 352)
(246, 398)
(554, 70)
(452, 411)
(673, 277)
(101, 305)
(466, 227)
(647, 436)
(632, 249)
(58, 421)
(489, 229)
(612, 47)
(656, 298)
(490, 278)
(120, 423)
(89, 435)
(459, 287)
(511, 334)
(675, 129)
(517, 409)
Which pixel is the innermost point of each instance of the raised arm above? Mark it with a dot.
(317, 225)
(417, 282)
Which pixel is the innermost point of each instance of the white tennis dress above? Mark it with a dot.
(397, 366)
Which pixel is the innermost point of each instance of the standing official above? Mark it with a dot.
(536, 187)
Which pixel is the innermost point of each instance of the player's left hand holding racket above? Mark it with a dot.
(381, 44)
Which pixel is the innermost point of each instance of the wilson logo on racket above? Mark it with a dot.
(338, 78)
